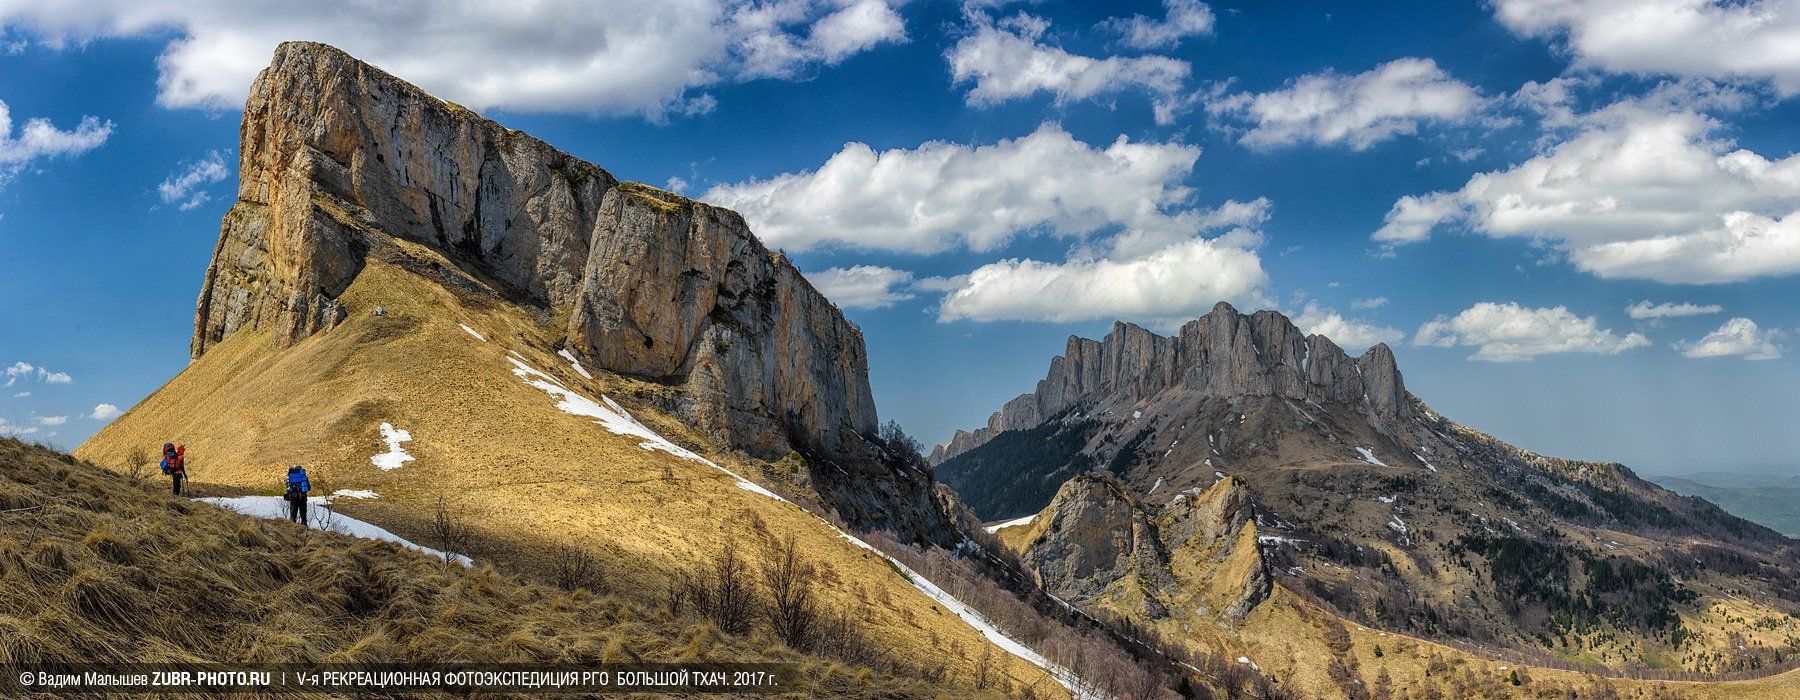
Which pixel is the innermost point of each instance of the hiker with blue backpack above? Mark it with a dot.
(297, 488)
(174, 464)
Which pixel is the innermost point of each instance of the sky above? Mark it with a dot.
(1577, 224)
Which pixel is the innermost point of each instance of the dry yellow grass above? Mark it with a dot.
(97, 569)
(529, 476)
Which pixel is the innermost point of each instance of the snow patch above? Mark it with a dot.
(472, 332)
(395, 456)
(1385, 499)
(351, 493)
(1278, 540)
(574, 363)
(1137, 414)
(1421, 459)
(1155, 486)
(273, 508)
(1369, 456)
(996, 527)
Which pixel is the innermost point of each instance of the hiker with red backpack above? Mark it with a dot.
(174, 464)
(297, 488)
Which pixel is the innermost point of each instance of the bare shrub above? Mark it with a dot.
(450, 531)
(720, 591)
(573, 567)
(137, 464)
(793, 611)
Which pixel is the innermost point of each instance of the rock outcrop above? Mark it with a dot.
(1197, 555)
(654, 285)
(1223, 354)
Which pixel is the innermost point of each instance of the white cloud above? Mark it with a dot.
(104, 412)
(1638, 192)
(1165, 288)
(863, 286)
(1739, 337)
(676, 185)
(944, 195)
(39, 139)
(1183, 18)
(1511, 333)
(1008, 60)
(24, 370)
(1644, 310)
(50, 420)
(601, 56)
(12, 430)
(1351, 334)
(1361, 110)
(1369, 303)
(1704, 38)
(186, 188)
(22, 394)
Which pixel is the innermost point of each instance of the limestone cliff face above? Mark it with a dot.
(1223, 354)
(334, 151)
(1196, 555)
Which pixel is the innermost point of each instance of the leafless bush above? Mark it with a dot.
(137, 464)
(792, 611)
(575, 568)
(451, 531)
(720, 591)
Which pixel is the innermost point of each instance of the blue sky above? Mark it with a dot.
(1485, 186)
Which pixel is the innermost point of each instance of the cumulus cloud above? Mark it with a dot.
(104, 412)
(15, 430)
(186, 187)
(1360, 110)
(1182, 19)
(942, 195)
(39, 139)
(1512, 333)
(1369, 303)
(1637, 192)
(1164, 288)
(1644, 310)
(1737, 337)
(50, 420)
(863, 286)
(1349, 333)
(1706, 38)
(1009, 60)
(600, 56)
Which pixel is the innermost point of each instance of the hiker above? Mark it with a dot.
(174, 464)
(297, 488)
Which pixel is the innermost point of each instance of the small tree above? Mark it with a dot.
(450, 531)
(720, 591)
(898, 441)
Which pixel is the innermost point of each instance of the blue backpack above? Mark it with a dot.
(297, 480)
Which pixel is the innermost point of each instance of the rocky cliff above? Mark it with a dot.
(335, 151)
(1223, 354)
(1195, 556)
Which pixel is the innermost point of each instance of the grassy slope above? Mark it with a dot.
(529, 476)
(99, 569)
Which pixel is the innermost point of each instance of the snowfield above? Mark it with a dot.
(395, 456)
(320, 518)
(472, 332)
(574, 363)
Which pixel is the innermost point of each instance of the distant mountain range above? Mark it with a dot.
(1772, 500)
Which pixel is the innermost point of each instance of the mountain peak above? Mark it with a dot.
(1224, 354)
(339, 158)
